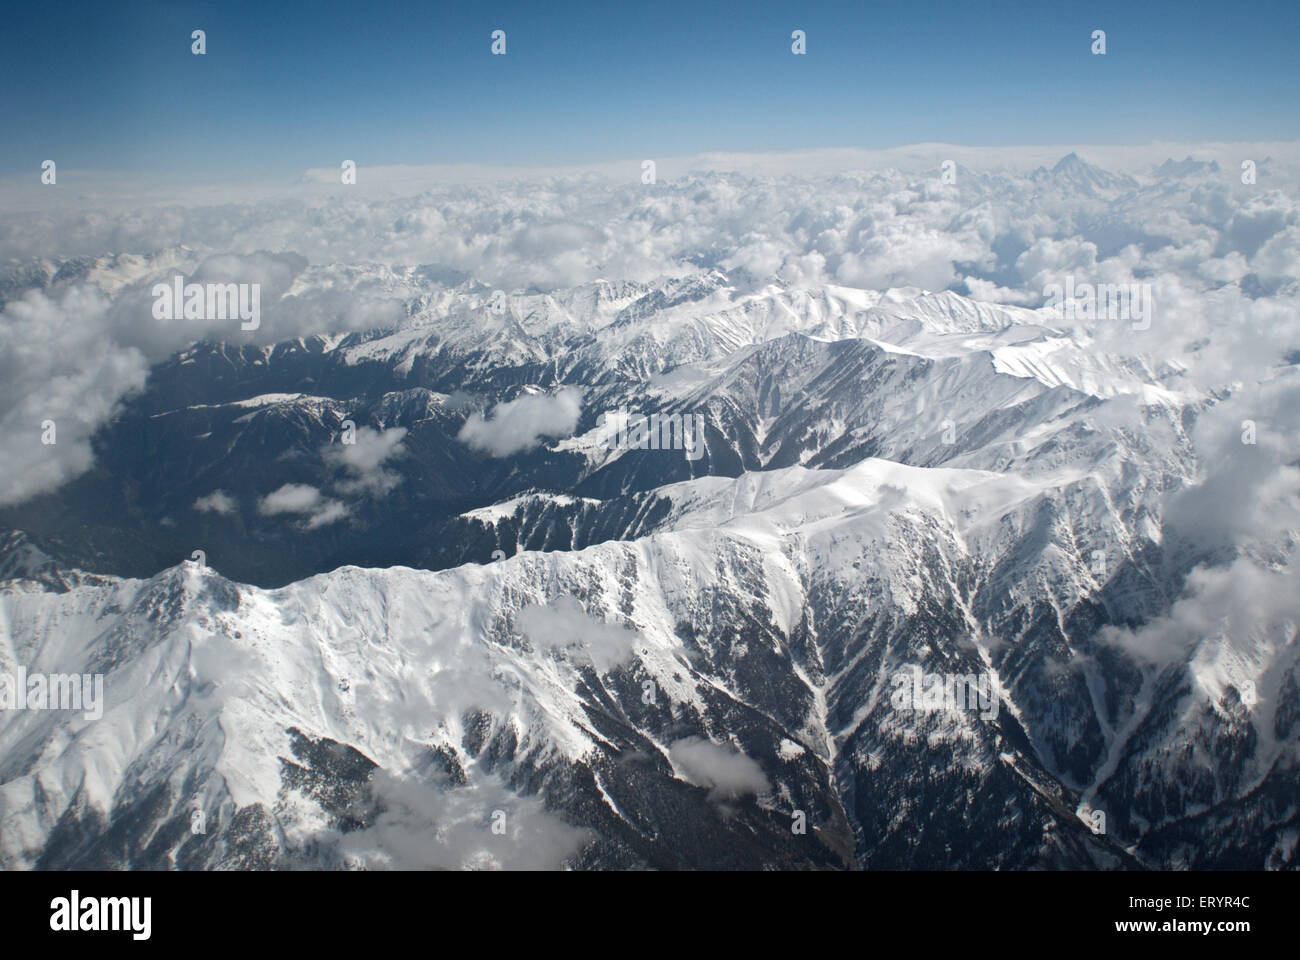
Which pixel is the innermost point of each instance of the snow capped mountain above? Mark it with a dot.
(941, 580)
(394, 665)
(780, 376)
(1074, 175)
(1186, 167)
(767, 613)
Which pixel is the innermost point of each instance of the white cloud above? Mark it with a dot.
(331, 511)
(1048, 259)
(1248, 491)
(424, 827)
(1242, 603)
(303, 500)
(563, 624)
(722, 768)
(519, 425)
(363, 461)
(290, 498)
(57, 367)
(218, 501)
(857, 218)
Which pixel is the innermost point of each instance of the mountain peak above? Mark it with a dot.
(1071, 161)
(1186, 167)
(1076, 175)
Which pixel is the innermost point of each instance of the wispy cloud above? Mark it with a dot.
(362, 460)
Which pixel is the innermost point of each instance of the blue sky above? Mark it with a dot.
(284, 87)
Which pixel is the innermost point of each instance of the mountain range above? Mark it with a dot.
(393, 598)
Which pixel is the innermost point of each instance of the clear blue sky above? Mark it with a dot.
(113, 86)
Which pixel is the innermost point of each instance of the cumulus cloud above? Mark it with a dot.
(726, 771)
(519, 425)
(303, 500)
(1048, 258)
(59, 380)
